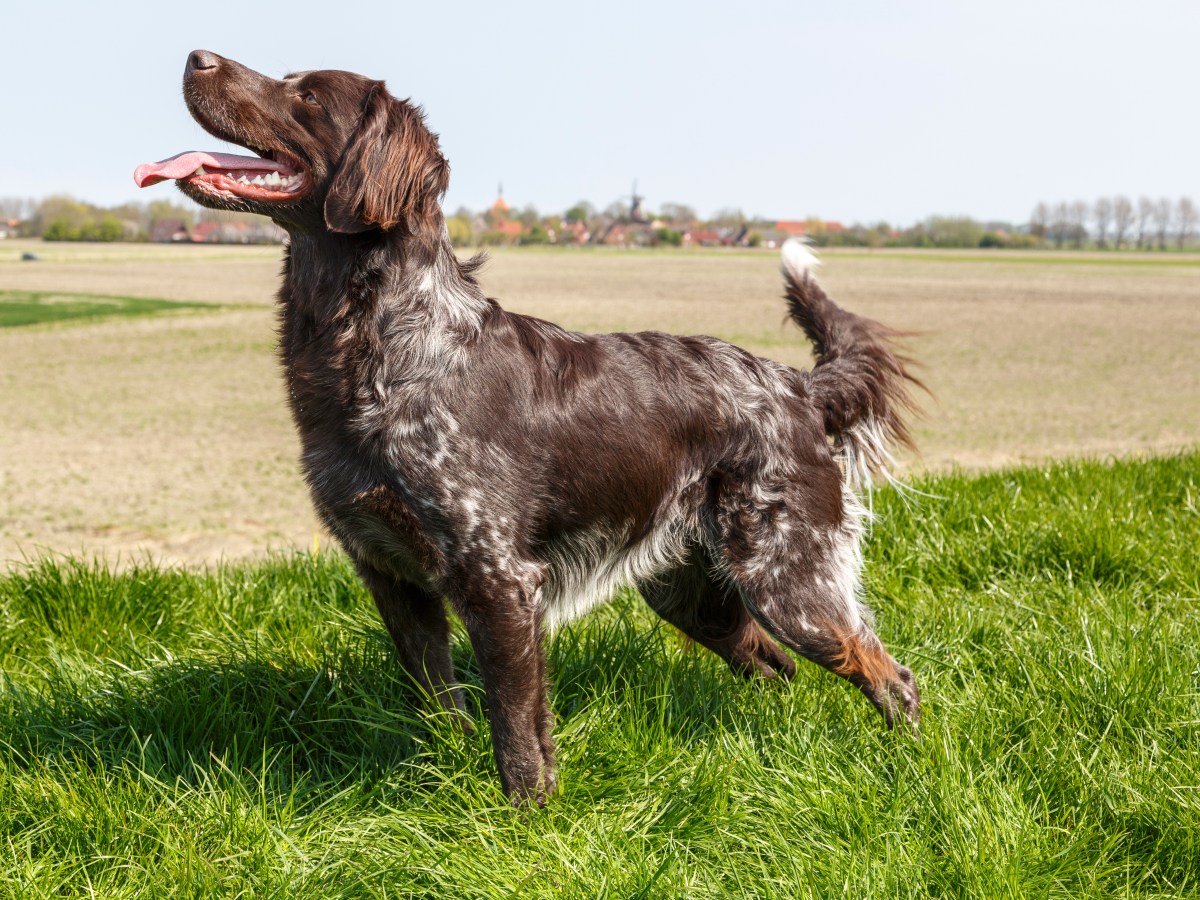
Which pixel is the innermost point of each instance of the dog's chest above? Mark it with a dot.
(399, 486)
(381, 526)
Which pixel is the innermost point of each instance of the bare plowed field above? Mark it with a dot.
(167, 434)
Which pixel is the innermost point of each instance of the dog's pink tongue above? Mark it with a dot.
(184, 164)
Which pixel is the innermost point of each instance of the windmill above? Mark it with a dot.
(635, 206)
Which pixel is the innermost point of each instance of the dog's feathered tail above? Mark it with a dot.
(860, 380)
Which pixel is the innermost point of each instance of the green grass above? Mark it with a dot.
(35, 308)
(245, 731)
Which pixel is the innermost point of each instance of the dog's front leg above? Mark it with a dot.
(502, 621)
(417, 622)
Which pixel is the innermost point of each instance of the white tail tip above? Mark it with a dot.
(798, 258)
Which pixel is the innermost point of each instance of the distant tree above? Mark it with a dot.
(535, 235)
(679, 214)
(165, 209)
(1102, 212)
(668, 236)
(1079, 215)
(459, 229)
(878, 235)
(1145, 209)
(493, 239)
(953, 231)
(66, 214)
(15, 208)
(133, 218)
(1016, 240)
(580, 212)
(528, 217)
(1039, 221)
(618, 210)
(107, 228)
(1122, 219)
(60, 229)
(1060, 224)
(728, 217)
(1161, 215)
(93, 225)
(1185, 220)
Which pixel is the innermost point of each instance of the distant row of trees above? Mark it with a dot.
(64, 218)
(947, 232)
(1107, 223)
(1117, 222)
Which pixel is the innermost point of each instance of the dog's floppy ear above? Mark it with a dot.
(391, 173)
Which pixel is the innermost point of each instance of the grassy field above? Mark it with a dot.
(244, 731)
(19, 308)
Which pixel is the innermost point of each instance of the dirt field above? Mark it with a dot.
(169, 436)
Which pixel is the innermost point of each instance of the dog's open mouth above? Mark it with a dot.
(274, 177)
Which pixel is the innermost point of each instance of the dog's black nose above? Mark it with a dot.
(202, 59)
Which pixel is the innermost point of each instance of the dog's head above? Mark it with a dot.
(335, 150)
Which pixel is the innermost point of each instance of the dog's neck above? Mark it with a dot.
(328, 276)
(403, 301)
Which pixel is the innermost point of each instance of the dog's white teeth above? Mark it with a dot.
(244, 180)
(273, 179)
(200, 171)
(258, 179)
(229, 175)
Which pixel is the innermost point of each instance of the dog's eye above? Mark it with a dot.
(311, 99)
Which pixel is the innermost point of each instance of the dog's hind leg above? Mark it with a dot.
(712, 614)
(417, 623)
(799, 576)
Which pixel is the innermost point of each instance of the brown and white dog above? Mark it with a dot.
(520, 471)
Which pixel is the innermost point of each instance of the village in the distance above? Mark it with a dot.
(1108, 223)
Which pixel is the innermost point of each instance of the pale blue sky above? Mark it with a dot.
(852, 111)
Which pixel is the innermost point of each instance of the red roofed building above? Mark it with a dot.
(206, 232)
(702, 238)
(509, 228)
(793, 229)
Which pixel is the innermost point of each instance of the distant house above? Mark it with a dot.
(9, 228)
(810, 228)
(510, 228)
(165, 231)
(253, 232)
(792, 228)
(627, 234)
(617, 235)
(702, 237)
(206, 233)
(571, 233)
